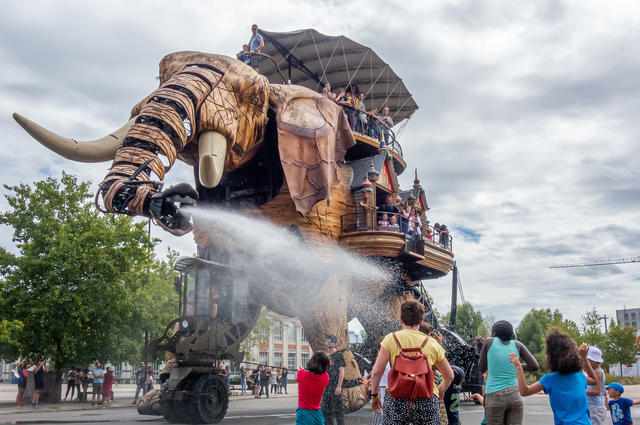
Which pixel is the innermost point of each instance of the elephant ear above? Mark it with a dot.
(313, 134)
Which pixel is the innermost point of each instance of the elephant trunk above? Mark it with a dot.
(166, 123)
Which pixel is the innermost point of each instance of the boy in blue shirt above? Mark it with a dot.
(452, 396)
(620, 407)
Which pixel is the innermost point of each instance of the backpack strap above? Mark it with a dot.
(397, 342)
(424, 342)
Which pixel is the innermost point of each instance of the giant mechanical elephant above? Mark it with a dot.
(264, 149)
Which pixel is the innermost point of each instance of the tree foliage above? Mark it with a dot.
(620, 345)
(75, 283)
(469, 323)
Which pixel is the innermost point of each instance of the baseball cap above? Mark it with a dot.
(595, 354)
(616, 386)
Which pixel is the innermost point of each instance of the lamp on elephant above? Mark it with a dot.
(411, 200)
(373, 174)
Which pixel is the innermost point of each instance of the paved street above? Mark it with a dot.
(279, 410)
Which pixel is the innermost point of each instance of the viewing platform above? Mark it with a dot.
(423, 255)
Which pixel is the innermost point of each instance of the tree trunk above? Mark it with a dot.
(52, 392)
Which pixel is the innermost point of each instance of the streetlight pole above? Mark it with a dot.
(604, 317)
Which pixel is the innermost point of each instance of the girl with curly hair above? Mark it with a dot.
(566, 385)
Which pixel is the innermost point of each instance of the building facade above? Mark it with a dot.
(628, 317)
(281, 342)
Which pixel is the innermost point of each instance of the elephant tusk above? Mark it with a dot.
(103, 149)
(212, 150)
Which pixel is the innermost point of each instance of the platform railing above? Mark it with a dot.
(370, 125)
(372, 221)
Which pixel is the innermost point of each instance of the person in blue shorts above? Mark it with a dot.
(620, 407)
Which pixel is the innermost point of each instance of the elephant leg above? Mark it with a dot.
(326, 314)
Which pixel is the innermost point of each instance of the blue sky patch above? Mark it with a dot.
(468, 234)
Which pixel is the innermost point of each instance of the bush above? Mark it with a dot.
(624, 380)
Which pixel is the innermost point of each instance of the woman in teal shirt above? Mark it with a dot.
(502, 402)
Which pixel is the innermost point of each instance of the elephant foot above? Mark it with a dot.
(150, 403)
(354, 395)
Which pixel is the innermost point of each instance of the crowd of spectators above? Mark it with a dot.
(396, 215)
(374, 123)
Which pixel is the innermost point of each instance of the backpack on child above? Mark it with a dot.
(410, 375)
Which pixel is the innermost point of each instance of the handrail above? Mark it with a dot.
(285, 81)
(367, 124)
(371, 221)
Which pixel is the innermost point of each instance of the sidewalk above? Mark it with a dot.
(123, 397)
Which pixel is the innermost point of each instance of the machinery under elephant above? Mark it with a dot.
(264, 150)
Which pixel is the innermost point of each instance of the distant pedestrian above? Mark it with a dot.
(566, 384)
(311, 385)
(85, 384)
(78, 384)
(107, 387)
(285, 379)
(264, 381)
(149, 378)
(227, 378)
(332, 398)
(620, 407)
(503, 404)
(71, 383)
(98, 381)
(243, 380)
(38, 381)
(141, 382)
(22, 381)
(273, 380)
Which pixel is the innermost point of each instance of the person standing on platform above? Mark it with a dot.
(256, 43)
(332, 397)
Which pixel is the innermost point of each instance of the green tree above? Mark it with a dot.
(621, 345)
(262, 326)
(591, 328)
(71, 284)
(533, 328)
(469, 323)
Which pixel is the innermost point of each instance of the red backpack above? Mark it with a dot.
(410, 376)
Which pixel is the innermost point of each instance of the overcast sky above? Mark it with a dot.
(526, 139)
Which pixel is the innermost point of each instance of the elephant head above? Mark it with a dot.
(209, 111)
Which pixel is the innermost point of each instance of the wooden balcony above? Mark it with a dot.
(421, 258)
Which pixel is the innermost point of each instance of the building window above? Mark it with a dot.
(291, 337)
(633, 316)
(626, 316)
(304, 358)
(291, 361)
(264, 334)
(277, 360)
(303, 337)
(277, 330)
(634, 324)
(264, 357)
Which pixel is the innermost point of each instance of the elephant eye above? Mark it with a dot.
(254, 101)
